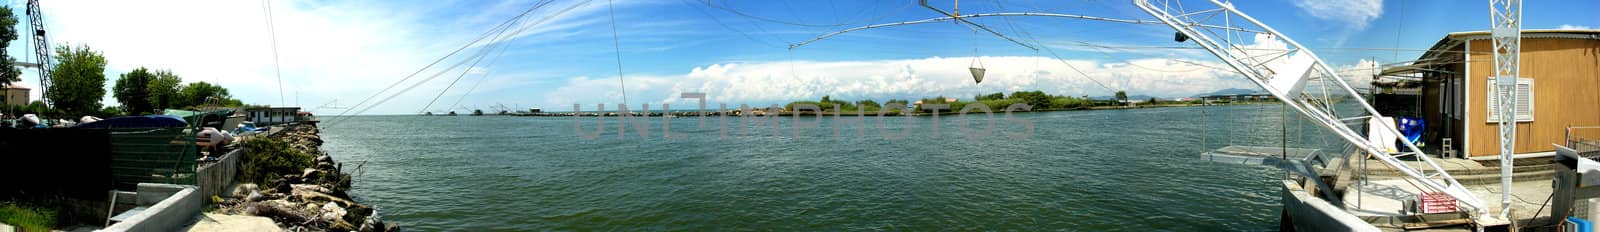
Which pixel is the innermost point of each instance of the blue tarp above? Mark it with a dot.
(1412, 128)
(149, 121)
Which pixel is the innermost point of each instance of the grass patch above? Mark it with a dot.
(28, 218)
(266, 159)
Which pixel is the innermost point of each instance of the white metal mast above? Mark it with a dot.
(1506, 19)
(1284, 68)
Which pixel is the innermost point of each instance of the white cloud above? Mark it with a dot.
(1574, 27)
(1359, 75)
(777, 81)
(327, 50)
(1355, 14)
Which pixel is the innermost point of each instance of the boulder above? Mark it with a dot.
(243, 190)
(310, 174)
(322, 197)
(255, 196)
(303, 189)
(331, 210)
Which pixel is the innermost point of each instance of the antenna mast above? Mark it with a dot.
(1506, 33)
(41, 48)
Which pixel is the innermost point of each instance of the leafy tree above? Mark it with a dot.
(164, 90)
(133, 91)
(1122, 96)
(1036, 99)
(195, 94)
(110, 112)
(1152, 101)
(78, 80)
(864, 104)
(8, 32)
(992, 96)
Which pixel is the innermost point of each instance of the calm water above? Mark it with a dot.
(1084, 170)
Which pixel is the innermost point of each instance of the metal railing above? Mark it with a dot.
(1585, 140)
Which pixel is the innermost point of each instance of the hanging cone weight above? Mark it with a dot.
(977, 74)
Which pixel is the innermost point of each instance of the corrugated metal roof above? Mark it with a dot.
(1532, 34)
(1455, 39)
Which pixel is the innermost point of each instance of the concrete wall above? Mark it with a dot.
(1310, 213)
(214, 178)
(174, 208)
(16, 97)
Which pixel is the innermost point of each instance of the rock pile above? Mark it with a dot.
(315, 200)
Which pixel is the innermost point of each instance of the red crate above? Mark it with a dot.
(1437, 202)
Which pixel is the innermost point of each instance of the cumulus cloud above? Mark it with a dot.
(1355, 14)
(343, 50)
(777, 82)
(1360, 74)
(1574, 27)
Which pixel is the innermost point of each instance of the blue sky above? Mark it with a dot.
(735, 51)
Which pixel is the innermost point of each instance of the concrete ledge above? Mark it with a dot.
(1309, 213)
(1514, 156)
(178, 205)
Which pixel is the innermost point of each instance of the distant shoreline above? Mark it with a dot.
(757, 112)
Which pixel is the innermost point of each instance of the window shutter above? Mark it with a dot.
(1524, 110)
(1524, 100)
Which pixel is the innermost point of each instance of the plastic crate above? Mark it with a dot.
(1437, 202)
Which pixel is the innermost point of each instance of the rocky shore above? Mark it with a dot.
(316, 199)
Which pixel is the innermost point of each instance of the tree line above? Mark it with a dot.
(77, 84)
(1038, 100)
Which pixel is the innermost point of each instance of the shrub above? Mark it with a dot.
(266, 159)
(28, 218)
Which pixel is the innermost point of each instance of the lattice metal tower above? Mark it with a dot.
(41, 48)
(1506, 33)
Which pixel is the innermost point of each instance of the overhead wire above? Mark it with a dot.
(487, 34)
(481, 52)
(1058, 57)
(485, 78)
(500, 46)
(504, 26)
(272, 35)
(708, 3)
(729, 27)
(617, 44)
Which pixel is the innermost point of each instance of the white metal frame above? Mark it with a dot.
(1505, 16)
(1285, 74)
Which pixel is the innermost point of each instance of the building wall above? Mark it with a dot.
(273, 116)
(16, 97)
(1566, 74)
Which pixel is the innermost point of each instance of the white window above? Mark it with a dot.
(1524, 101)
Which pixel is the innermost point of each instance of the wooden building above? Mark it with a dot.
(1559, 88)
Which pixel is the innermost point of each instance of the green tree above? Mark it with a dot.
(110, 112)
(197, 94)
(1122, 96)
(1036, 99)
(133, 91)
(78, 80)
(8, 32)
(993, 96)
(164, 90)
(865, 104)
